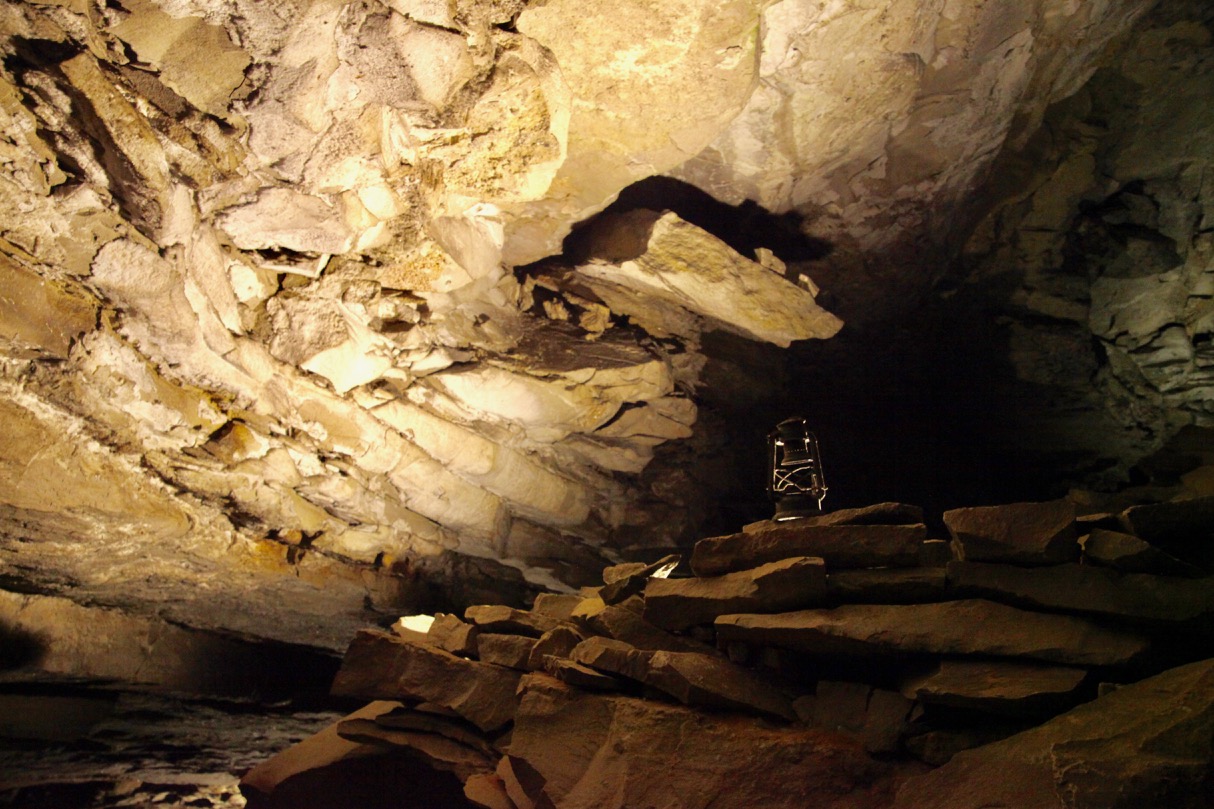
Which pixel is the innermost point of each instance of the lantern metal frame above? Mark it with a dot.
(795, 480)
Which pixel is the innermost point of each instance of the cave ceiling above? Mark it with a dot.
(314, 312)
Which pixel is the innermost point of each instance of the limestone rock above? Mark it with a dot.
(452, 635)
(698, 56)
(488, 790)
(580, 676)
(401, 718)
(507, 620)
(511, 651)
(841, 546)
(682, 266)
(1143, 744)
(625, 625)
(876, 716)
(38, 314)
(1006, 688)
(612, 752)
(624, 581)
(438, 751)
(1129, 554)
(677, 604)
(1181, 528)
(876, 514)
(556, 605)
(972, 627)
(1089, 590)
(696, 679)
(378, 665)
(558, 642)
(324, 748)
(1021, 533)
(887, 585)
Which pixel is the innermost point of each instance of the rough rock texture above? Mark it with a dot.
(775, 587)
(274, 340)
(901, 687)
(1146, 744)
(1021, 533)
(840, 546)
(974, 627)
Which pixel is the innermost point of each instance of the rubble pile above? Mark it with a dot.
(852, 659)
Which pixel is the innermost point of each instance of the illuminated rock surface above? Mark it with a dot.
(316, 314)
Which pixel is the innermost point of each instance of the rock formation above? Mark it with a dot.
(857, 705)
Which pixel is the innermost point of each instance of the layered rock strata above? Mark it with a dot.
(857, 697)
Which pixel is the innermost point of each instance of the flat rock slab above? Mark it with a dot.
(1129, 554)
(875, 716)
(677, 604)
(1089, 590)
(1183, 528)
(557, 642)
(625, 625)
(580, 676)
(621, 582)
(693, 679)
(509, 621)
(511, 651)
(908, 585)
(438, 751)
(462, 731)
(379, 665)
(1018, 533)
(606, 751)
(876, 514)
(998, 687)
(1146, 744)
(971, 627)
(452, 635)
(840, 546)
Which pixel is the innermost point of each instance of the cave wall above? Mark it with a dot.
(289, 340)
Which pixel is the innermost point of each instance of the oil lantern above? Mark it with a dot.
(795, 480)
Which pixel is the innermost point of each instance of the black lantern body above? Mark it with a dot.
(795, 481)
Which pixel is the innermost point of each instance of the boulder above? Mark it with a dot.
(971, 627)
(677, 604)
(1019, 533)
(523, 783)
(1182, 528)
(452, 635)
(909, 585)
(625, 625)
(1146, 744)
(1129, 554)
(875, 716)
(613, 657)
(319, 750)
(556, 605)
(696, 679)
(422, 721)
(998, 687)
(629, 579)
(488, 790)
(511, 651)
(691, 678)
(438, 751)
(510, 621)
(379, 665)
(618, 752)
(841, 546)
(557, 642)
(1088, 590)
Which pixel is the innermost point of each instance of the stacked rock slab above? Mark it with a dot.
(828, 658)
